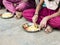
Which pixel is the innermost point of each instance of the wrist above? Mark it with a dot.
(47, 17)
(35, 14)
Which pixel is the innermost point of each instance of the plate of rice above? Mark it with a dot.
(29, 27)
(7, 15)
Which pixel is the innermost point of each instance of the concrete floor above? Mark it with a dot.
(12, 33)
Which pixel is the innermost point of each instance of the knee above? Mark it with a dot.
(55, 23)
(28, 12)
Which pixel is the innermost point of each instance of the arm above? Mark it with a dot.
(39, 6)
(45, 19)
(37, 2)
(54, 15)
(35, 17)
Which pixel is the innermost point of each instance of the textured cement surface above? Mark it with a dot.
(12, 33)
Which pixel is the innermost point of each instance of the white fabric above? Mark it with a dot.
(52, 4)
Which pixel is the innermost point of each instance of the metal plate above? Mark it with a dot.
(27, 26)
(7, 17)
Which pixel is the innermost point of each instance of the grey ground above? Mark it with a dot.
(12, 33)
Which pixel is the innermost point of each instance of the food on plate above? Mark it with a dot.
(25, 26)
(30, 27)
(33, 28)
(7, 15)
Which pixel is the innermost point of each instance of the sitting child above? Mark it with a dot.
(48, 16)
(17, 6)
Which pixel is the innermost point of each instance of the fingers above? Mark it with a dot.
(42, 26)
(33, 19)
(34, 22)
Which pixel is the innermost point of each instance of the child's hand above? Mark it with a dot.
(34, 19)
(43, 23)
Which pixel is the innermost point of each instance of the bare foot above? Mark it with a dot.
(48, 29)
(18, 15)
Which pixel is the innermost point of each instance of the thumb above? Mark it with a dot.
(45, 25)
(40, 27)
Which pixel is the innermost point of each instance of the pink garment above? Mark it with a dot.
(1, 2)
(14, 1)
(54, 22)
(21, 5)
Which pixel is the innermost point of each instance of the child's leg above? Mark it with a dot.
(55, 22)
(25, 5)
(48, 29)
(29, 13)
(18, 15)
(20, 7)
(9, 6)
